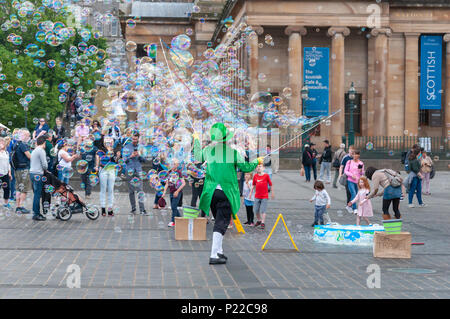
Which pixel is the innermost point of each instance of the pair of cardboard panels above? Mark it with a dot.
(190, 228)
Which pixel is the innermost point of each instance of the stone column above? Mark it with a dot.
(337, 128)
(412, 83)
(253, 39)
(447, 89)
(295, 66)
(380, 87)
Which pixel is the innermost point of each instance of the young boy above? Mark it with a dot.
(261, 183)
(323, 202)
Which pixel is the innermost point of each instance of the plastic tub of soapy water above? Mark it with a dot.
(337, 234)
(393, 226)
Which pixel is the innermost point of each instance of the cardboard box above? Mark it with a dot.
(392, 245)
(190, 228)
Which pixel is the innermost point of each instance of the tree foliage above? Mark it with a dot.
(39, 81)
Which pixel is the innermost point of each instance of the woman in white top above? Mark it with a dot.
(64, 165)
(5, 172)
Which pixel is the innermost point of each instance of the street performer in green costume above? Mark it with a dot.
(220, 190)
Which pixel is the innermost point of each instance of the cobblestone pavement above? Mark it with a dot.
(123, 257)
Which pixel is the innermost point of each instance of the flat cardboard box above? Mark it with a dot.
(190, 228)
(392, 245)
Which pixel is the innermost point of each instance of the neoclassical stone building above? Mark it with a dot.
(374, 44)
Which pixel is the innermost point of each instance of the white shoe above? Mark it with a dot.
(349, 209)
(411, 206)
(355, 211)
(423, 205)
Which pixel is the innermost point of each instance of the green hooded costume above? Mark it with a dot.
(222, 162)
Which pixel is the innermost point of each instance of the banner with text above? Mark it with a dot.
(430, 72)
(316, 63)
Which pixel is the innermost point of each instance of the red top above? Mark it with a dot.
(261, 183)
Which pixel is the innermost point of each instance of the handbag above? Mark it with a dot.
(336, 163)
(394, 178)
(302, 172)
(433, 172)
(343, 180)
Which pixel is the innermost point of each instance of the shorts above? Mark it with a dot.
(23, 181)
(260, 205)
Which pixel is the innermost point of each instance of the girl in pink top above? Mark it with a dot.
(364, 204)
(354, 169)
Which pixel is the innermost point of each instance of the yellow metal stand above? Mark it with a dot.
(238, 225)
(274, 226)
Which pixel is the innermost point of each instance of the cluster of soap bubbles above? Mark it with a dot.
(76, 61)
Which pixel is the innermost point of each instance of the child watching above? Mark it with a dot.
(248, 199)
(364, 204)
(261, 183)
(323, 202)
(175, 184)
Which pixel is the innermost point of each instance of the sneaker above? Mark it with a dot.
(103, 212)
(423, 205)
(263, 226)
(171, 224)
(257, 223)
(252, 225)
(39, 218)
(144, 213)
(25, 211)
(411, 206)
(110, 213)
(355, 211)
(246, 223)
(133, 212)
(349, 209)
(313, 224)
(230, 226)
(7, 206)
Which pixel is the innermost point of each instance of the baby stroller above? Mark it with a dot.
(70, 202)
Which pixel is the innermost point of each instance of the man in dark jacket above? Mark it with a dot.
(325, 162)
(314, 155)
(307, 161)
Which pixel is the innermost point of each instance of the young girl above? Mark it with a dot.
(323, 202)
(248, 199)
(364, 204)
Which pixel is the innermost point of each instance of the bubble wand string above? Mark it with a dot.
(315, 125)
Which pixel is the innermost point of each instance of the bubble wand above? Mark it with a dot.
(315, 125)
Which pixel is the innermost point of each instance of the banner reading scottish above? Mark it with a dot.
(316, 79)
(430, 72)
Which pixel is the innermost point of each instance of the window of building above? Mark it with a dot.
(114, 27)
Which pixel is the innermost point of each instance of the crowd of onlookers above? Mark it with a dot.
(351, 173)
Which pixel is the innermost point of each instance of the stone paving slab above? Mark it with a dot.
(138, 257)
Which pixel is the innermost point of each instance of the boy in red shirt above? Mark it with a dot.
(261, 181)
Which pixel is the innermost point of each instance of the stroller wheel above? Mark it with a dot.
(92, 213)
(64, 213)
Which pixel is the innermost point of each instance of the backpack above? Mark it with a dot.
(395, 179)
(15, 158)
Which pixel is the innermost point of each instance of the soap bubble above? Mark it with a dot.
(131, 46)
(369, 146)
(181, 42)
(82, 166)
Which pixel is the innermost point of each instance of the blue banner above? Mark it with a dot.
(430, 72)
(316, 78)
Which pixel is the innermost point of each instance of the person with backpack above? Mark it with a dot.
(21, 162)
(405, 157)
(307, 162)
(390, 181)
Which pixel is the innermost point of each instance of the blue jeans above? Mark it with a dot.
(12, 186)
(174, 201)
(353, 188)
(62, 178)
(37, 190)
(318, 214)
(308, 172)
(416, 187)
